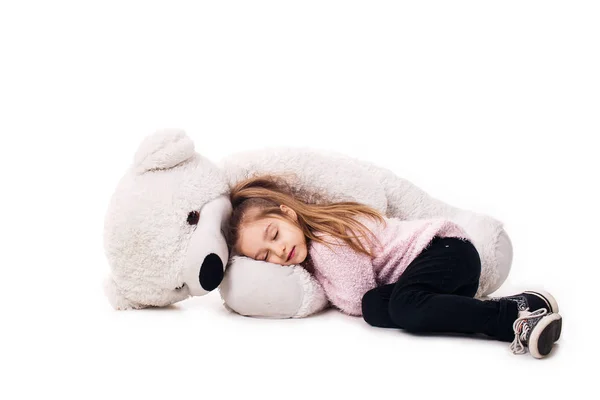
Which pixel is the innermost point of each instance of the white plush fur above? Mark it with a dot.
(275, 292)
(152, 250)
(146, 235)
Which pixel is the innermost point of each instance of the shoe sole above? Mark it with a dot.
(543, 336)
(547, 298)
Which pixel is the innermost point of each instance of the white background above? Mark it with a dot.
(489, 106)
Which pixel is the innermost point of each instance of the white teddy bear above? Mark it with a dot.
(164, 226)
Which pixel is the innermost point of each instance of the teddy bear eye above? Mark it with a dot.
(178, 288)
(193, 218)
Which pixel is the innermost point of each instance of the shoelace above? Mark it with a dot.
(521, 328)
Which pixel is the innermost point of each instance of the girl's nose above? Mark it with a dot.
(284, 253)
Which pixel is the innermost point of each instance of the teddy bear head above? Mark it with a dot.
(163, 230)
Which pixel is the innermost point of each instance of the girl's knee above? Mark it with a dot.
(404, 310)
(372, 306)
(370, 298)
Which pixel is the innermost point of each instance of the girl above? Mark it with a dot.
(418, 275)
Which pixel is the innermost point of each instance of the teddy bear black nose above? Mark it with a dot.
(211, 272)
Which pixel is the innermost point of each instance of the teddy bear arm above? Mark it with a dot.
(325, 176)
(407, 201)
(259, 289)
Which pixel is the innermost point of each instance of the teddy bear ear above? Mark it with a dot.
(163, 149)
(115, 297)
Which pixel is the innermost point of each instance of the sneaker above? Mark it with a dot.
(537, 331)
(532, 301)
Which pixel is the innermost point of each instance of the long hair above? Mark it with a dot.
(267, 192)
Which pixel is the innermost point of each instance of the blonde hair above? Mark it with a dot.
(267, 193)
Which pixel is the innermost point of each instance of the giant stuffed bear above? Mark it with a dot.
(163, 232)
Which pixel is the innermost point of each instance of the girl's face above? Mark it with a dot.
(273, 239)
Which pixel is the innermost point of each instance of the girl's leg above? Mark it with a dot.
(435, 292)
(375, 307)
(436, 295)
(375, 303)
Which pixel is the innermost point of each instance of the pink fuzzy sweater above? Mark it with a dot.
(347, 275)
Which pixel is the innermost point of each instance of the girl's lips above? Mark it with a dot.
(291, 254)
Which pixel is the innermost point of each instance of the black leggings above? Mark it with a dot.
(435, 294)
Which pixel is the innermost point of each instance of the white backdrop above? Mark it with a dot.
(489, 106)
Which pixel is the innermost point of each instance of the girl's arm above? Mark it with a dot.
(344, 274)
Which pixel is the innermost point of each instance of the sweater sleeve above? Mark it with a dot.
(345, 275)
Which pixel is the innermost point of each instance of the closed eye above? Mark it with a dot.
(267, 255)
